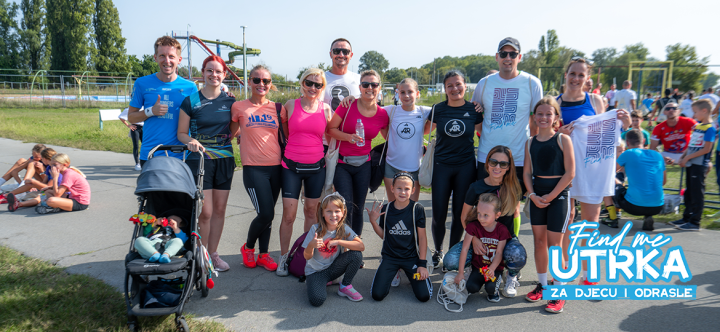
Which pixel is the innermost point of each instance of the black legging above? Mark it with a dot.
(346, 264)
(262, 184)
(446, 180)
(352, 183)
(136, 136)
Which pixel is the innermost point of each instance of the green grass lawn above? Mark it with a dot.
(37, 296)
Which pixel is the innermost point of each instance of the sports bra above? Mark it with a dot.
(571, 111)
(547, 157)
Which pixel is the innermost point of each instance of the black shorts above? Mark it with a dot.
(482, 173)
(292, 182)
(555, 216)
(79, 207)
(218, 172)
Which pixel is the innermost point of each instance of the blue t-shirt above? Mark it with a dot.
(645, 172)
(161, 129)
(648, 103)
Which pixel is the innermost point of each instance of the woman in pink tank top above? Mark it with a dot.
(303, 161)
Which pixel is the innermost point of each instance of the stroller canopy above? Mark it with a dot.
(164, 173)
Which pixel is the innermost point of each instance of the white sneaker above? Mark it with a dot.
(282, 270)
(396, 281)
(138, 167)
(511, 285)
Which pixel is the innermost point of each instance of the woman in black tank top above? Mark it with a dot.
(552, 168)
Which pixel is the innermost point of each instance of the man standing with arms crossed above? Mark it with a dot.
(160, 94)
(625, 99)
(341, 83)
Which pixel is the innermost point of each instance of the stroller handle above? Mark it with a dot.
(171, 148)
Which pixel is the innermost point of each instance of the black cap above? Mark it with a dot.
(510, 41)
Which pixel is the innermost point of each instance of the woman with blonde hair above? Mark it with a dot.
(72, 194)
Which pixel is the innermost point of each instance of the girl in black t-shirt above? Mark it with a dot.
(402, 228)
(454, 159)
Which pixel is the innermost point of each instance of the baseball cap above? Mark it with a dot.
(510, 41)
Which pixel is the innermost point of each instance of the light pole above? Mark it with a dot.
(189, 53)
(245, 78)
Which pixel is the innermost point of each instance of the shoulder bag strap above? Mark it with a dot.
(417, 245)
(384, 209)
(482, 93)
(559, 139)
(529, 143)
(282, 140)
(432, 118)
(392, 115)
(342, 127)
(592, 103)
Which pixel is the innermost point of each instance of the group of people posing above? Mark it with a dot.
(551, 150)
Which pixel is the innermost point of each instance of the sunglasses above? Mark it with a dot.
(504, 54)
(670, 108)
(309, 84)
(337, 51)
(374, 85)
(265, 81)
(494, 163)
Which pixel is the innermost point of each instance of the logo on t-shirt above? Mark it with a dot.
(399, 229)
(504, 107)
(261, 121)
(406, 130)
(455, 128)
(339, 92)
(600, 141)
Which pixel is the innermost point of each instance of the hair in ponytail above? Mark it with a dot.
(65, 160)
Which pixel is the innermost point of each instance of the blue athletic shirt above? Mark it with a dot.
(572, 113)
(210, 124)
(644, 170)
(161, 129)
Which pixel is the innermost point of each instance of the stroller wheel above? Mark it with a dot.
(203, 284)
(182, 325)
(133, 327)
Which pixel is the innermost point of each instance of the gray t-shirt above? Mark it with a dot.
(324, 257)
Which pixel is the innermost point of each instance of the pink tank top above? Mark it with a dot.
(306, 130)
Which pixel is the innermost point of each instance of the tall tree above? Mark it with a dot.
(549, 46)
(68, 23)
(690, 78)
(374, 60)
(32, 35)
(710, 80)
(9, 38)
(110, 54)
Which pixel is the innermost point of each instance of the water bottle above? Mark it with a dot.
(360, 131)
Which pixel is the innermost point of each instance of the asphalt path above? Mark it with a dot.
(94, 242)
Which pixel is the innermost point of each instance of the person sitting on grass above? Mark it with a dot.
(32, 164)
(72, 194)
(32, 185)
(165, 233)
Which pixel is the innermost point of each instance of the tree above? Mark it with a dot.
(374, 60)
(183, 71)
(395, 75)
(33, 35)
(320, 66)
(604, 56)
(110, 54)
(68, 24)
(690, 78)
(549, 46)
(710, 80)
(9, 38)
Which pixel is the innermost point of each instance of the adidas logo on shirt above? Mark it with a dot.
(399, 229)
(466, 114)
(561, 197)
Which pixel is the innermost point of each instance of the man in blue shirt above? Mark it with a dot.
(645, 171)
(160, 95)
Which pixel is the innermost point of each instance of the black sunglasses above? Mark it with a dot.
(503, 164)
(504, 54)
(337, 51)
(309, 83)
(257, 80)
(374, 85)
(670, 108)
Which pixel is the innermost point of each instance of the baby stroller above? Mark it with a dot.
(167, 184)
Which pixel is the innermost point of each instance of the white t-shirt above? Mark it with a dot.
(405, 137)
(508, 104)
(623, 98)
(595, 139)
(341, 86)
(686, 108)
(124, 115)
(715, 99)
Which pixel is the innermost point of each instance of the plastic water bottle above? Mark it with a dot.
(360, 131)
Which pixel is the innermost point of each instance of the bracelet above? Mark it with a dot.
(531, 194)
(422, 263)
(148, 112)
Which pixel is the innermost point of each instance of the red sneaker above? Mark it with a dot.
(13, 203)
(555, 306)
(536, 294)
(3, 199)
(584, 282)
(248, 257)
(267, 262)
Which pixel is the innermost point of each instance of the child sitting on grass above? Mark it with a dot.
(33, 185)
(171, 237)
(72, 194)
(32, 164)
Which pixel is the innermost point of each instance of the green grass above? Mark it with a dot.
(37, 296)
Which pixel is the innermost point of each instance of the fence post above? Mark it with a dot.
(62, 89)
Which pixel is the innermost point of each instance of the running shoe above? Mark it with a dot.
(362, 264)
(3, 199)
(267, 262)
(604, 213)
(495, 297)
(584, 282)
(684, 227)
(282, 270)
(677, 222)
(511, 285)
(248, 256)
(138, 167)
(218, 263)
(536, 294)
(350, 292)
(555, 306)
(618, 214)
(396, 281)
(45, 210)
(648, 224)
(13, 202)
(612, 223)
(437, 258)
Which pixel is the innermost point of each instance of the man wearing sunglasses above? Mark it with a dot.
(341, 83)
(674, 134)
(508, 99)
